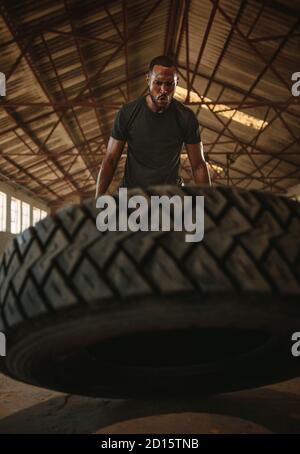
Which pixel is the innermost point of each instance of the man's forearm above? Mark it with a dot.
(109, 165)
(201, 174)
(105, 176)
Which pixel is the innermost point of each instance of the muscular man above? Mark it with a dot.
(155, 128)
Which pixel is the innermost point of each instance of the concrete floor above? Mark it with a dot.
(27, 409)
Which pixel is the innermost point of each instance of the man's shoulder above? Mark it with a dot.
(184, 110)
(129, 107)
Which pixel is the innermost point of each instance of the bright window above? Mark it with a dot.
(43, 214)
(36, 215)
(25, 215)
(15, 215)
(3, 205)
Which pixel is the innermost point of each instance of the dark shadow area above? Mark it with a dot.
(276, 411)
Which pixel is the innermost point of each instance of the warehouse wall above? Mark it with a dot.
(11, 191)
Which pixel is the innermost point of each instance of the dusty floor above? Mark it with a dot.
(27, 409)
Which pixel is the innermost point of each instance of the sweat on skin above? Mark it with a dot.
(152, 218)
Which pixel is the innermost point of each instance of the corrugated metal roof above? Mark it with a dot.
(70, 65)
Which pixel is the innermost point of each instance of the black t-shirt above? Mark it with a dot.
(154, 141)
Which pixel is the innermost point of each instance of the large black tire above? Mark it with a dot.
(125, 314)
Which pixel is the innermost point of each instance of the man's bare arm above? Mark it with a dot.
(109, 165)
(198, 163)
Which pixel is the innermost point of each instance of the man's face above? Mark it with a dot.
(162, 82)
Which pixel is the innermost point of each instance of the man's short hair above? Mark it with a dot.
(162, 60)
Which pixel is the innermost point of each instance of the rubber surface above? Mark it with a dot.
(141, 313)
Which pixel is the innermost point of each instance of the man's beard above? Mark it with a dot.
(155, 101)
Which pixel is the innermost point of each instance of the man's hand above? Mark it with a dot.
(198, 163)
(109, 165)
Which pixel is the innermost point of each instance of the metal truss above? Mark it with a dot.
(87, 152)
